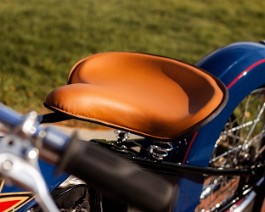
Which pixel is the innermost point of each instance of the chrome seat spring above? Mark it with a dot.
(122, 137)
(160, 150)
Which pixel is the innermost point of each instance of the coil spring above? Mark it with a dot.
(160, 150)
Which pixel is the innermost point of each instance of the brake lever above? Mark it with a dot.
(85, 160)
(19, 165)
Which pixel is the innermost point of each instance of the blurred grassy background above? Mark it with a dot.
(41, 40)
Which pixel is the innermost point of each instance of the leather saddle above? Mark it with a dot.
(145, 94)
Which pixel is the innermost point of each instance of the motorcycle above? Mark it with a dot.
(200, 135)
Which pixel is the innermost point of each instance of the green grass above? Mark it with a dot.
(41, 40)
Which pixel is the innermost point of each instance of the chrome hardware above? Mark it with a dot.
(19, 163)
(29, 125)
(122, 136)
(160, 150)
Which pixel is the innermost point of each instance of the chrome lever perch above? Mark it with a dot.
(19, 165)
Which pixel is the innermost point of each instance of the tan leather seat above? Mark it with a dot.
(146, 94)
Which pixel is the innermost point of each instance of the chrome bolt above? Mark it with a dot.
(7, 165)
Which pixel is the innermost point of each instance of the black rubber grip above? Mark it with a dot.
(109, 172)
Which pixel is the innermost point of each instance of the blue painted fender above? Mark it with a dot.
(241, 67)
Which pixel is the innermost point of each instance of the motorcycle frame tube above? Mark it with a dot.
(241, 67)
